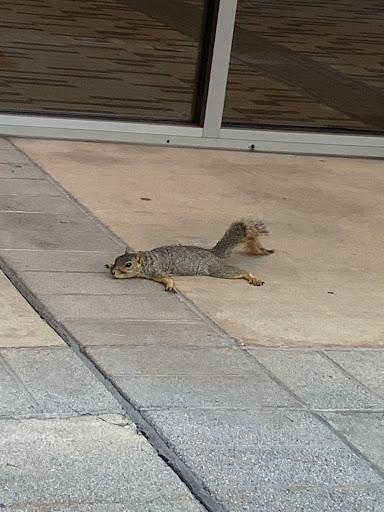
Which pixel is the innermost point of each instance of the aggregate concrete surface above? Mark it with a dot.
(65, 442)
(84, 464)
(247, 428)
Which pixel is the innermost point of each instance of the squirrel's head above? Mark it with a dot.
(126, 266)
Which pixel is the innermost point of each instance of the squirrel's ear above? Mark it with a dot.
(126, 250)
(139, 257)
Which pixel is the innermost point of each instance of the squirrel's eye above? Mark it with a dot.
(129, 264)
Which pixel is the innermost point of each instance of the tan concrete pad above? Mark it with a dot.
(20, 325)
(324, 285)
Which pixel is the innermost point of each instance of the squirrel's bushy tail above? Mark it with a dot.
(244, 231)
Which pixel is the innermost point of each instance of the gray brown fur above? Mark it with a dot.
(182, 260)
(243, 231)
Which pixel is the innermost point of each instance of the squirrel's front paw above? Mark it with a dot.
(255, 281)
(170, 289)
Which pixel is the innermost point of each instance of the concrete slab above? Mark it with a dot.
(322, 498)
(59, 382)
(20, 325)
(56, 261)
(47, 222)
(117, 307)
(175, 506)
(323, 285)
(189, 377)
(83, 464)
(190, 391)
(270, 460)
(91, 283)
(169, 361)
(37, 204)
(363, 430)
(367, 366)
(28, 187)
(319, 383)
(145, 332)
(287, 466)
(17, 171)
(59, 239)
(261, 428)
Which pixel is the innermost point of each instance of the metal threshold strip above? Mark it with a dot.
(276, 141)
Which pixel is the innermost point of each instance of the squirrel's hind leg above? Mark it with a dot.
(255, 229)
(229, 272)
(254, 246)
(167, 281)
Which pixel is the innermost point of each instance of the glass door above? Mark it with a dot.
(308, 65)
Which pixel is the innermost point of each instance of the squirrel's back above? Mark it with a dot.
(181, 260)
(184, 260)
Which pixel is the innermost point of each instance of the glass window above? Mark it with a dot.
(308, 64)
(134, 58)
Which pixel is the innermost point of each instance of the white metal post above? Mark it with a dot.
(219, 68)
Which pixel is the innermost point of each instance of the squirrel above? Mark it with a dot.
(187, 260)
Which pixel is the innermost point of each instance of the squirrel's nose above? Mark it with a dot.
(113, 272)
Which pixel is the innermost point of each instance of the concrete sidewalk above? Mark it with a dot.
(65, 442)
(246, 428)
(325, 216)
